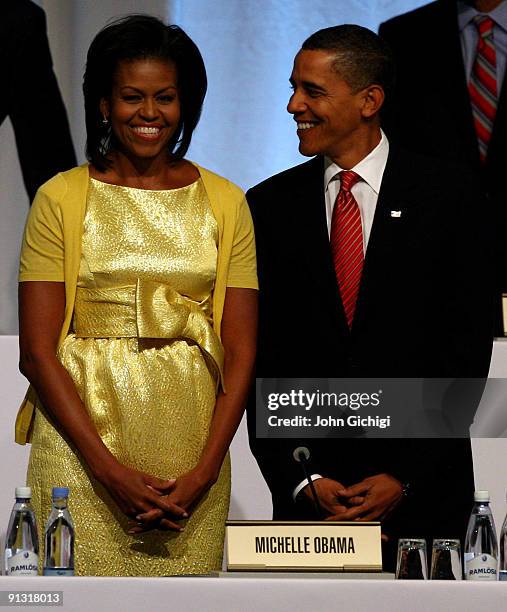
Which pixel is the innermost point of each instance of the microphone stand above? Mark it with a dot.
(301, 455)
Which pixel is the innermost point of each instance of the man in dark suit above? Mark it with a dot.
(417, 308)
(30, 95)
(436, 49)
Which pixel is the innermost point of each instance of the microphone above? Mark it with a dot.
(301, 454)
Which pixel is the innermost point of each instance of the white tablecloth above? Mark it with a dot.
(266, 594)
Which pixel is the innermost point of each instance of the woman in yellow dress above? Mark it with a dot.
(138, 318)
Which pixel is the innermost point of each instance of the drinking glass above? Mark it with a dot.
(446, 560)
(412, 559)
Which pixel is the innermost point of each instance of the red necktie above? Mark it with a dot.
(347, 243)
(483, 85)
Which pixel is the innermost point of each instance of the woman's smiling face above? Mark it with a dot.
(144, 107)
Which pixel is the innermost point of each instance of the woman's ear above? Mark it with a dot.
(104, 108)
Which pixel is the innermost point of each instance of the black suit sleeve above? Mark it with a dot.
(33, 101)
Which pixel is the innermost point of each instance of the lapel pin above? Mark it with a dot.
(396, 214)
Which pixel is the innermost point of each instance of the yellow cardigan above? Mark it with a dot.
(51, 249)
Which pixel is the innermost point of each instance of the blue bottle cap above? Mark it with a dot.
(60, 492)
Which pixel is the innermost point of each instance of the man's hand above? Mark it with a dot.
(329, 493)
(369, 500)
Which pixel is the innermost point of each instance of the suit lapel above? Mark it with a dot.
(394, 198)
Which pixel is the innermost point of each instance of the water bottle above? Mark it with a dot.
(481, 548)
(502, 575)
(21, 542)
(59, 537)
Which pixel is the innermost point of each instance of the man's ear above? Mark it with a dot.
(104, 108)
(372, 98)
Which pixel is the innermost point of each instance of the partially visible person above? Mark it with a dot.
(138, 318)
(372, 264)
(450, 101)
(30, 95)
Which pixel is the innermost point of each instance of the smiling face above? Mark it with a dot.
(330, 117)
(144, 108)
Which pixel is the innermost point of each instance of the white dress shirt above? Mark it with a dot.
(370, 169)
(469, 37)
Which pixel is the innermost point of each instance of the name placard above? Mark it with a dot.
(303, 546)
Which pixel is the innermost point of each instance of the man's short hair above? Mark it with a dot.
(362, 57)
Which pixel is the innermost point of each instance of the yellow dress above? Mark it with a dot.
(146, 362)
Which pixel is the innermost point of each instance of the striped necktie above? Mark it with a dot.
(483, 85)
(347, 243)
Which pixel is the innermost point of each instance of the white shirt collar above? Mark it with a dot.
(466, 13)
(370, 168)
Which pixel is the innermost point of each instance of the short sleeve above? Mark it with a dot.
(243, 265)
(42, 251)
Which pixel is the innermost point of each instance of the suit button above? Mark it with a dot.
(352, 365)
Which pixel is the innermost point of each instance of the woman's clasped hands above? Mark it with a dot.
(137, 493)
(170, 501)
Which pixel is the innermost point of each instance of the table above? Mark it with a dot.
(269, 594)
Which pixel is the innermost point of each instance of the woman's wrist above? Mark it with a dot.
(206, 475)
(102, 468)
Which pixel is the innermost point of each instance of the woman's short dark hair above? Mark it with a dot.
(141, 37)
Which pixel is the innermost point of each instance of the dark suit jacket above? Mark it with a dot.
(430, 112)
(424, 310)
(30, 95)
